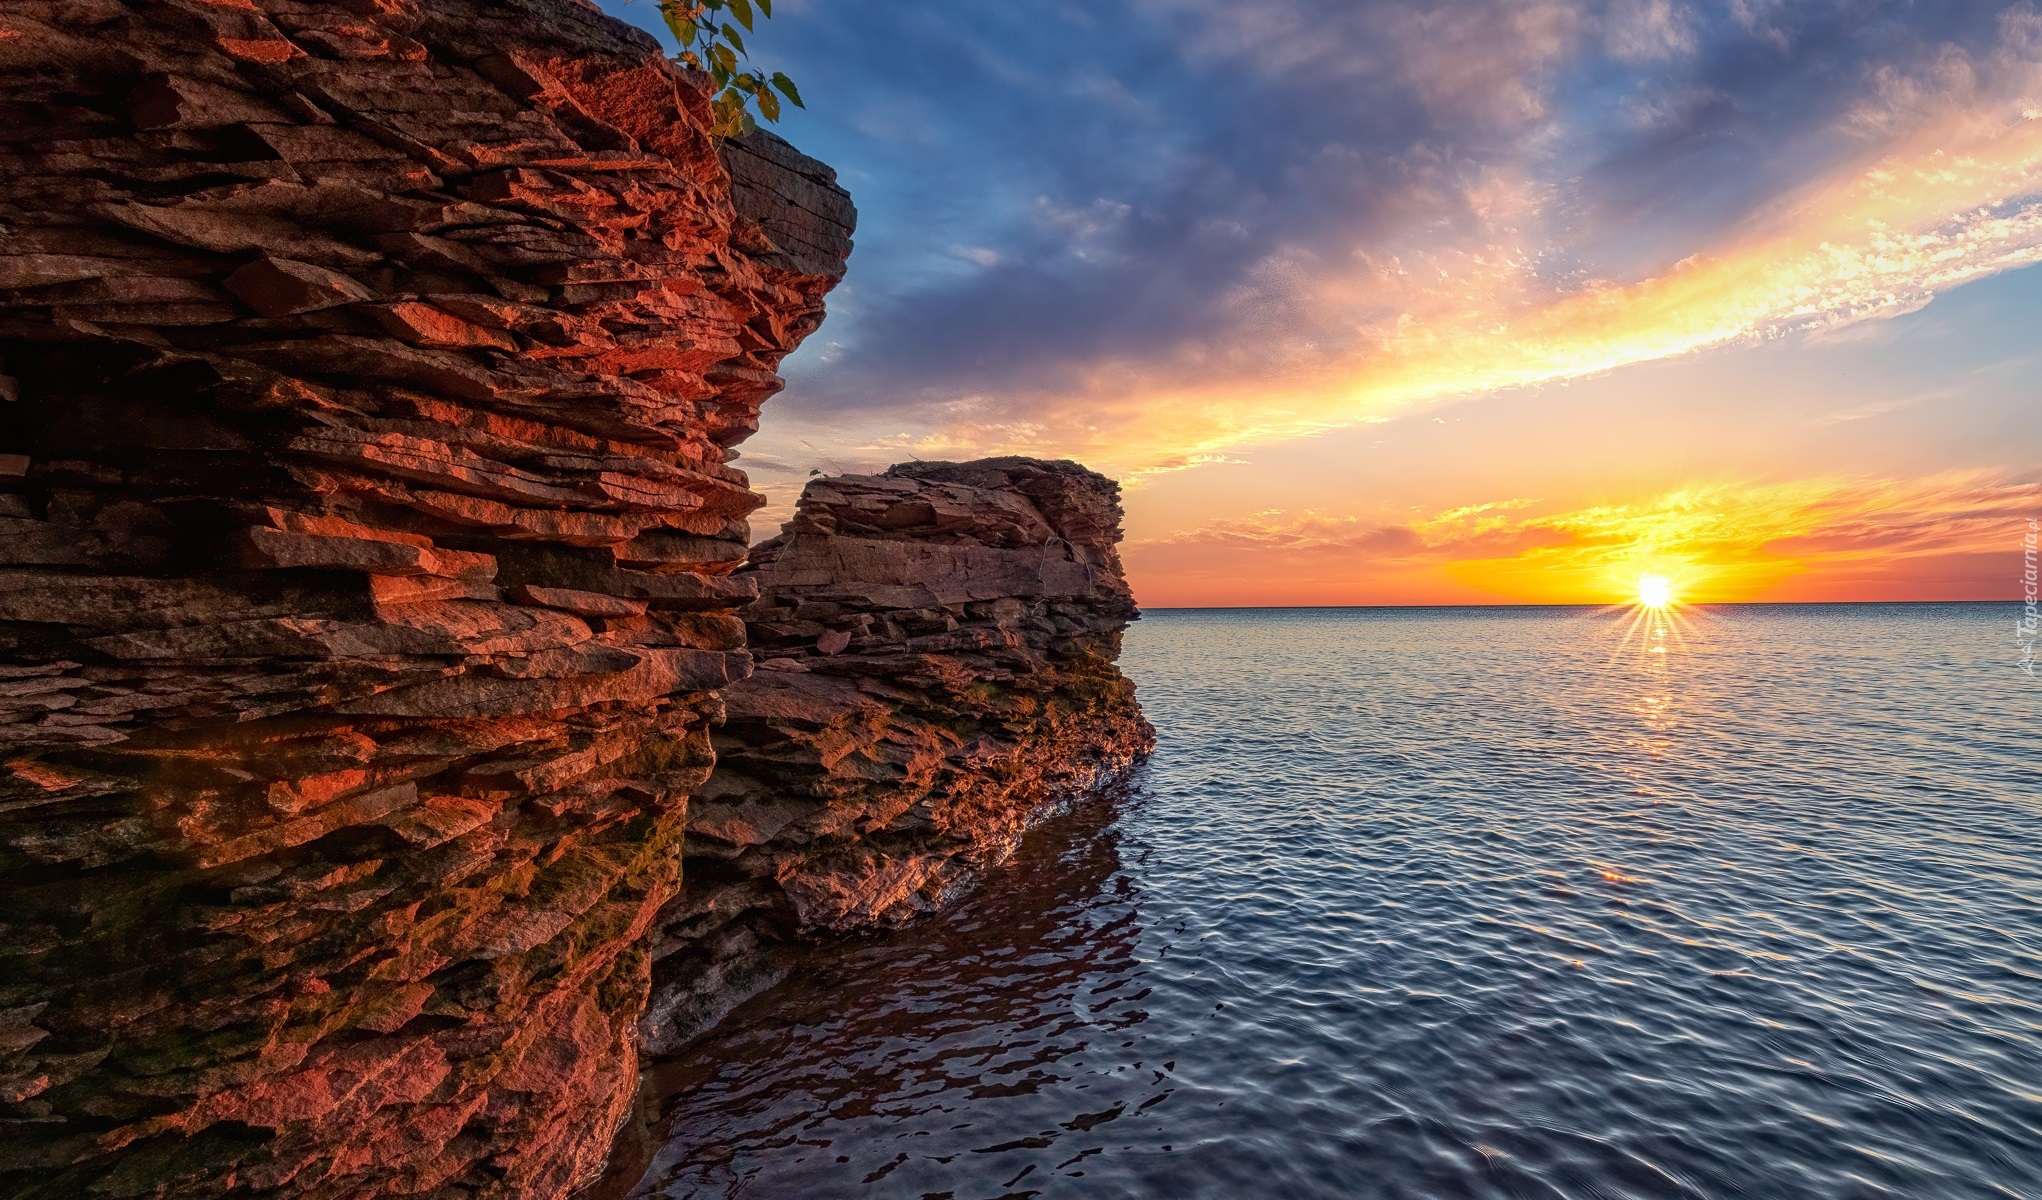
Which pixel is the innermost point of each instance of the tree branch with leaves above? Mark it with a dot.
(711, 44)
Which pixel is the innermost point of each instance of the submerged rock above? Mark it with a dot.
(368, 369)
(936, 648)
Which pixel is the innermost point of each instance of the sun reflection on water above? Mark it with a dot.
(1653, 631)
(1649, 637)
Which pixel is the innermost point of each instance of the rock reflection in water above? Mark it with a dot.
(1018, 1004)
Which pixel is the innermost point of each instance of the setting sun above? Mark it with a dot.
(1655, 591)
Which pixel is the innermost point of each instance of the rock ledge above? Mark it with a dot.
(936, 648)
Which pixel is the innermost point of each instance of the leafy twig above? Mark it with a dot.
(712, 44)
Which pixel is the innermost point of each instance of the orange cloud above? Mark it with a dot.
(1953, 536)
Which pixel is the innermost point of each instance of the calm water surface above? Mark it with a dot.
(1462, 903)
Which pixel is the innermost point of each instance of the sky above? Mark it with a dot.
(1470, 301)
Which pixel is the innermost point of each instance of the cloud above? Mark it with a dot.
(1880, 408)
(984, 256)
(1723, 541)
(1649, 31)
(1471, 531)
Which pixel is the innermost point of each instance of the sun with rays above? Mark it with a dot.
(1654, 622)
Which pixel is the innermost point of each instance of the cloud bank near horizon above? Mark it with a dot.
(1807, 539)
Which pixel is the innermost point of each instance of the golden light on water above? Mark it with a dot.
(1655, 591)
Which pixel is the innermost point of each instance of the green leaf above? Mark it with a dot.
(786, 85)
(731, 35)
(769, 106)
(765, 6)
(677, 23)
(743, 11)
(725, 61)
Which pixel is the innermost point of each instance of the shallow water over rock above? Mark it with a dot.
(1460, 903)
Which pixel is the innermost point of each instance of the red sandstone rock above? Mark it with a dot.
(365, 551)
(278, 287)
(938, 646)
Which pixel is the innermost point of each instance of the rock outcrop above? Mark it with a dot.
(936, 648)
(367, 374)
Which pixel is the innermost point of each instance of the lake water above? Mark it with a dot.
(1461, 903)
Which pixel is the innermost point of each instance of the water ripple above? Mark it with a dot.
(1460, 903)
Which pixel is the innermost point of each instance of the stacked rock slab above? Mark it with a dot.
(936, 649)
(366, 551)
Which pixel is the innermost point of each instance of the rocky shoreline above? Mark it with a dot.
(935, 651)
(375, 600)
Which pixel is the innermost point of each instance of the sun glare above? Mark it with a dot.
(1655, 591)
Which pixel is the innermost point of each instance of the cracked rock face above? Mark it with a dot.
(936, 648)
(367, 551)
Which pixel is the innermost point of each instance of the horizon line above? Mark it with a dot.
(1575, 604)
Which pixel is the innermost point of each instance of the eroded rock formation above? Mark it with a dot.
(366, 551)
(936, 648)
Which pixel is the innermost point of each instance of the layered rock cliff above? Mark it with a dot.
(936, 652)
(367, 370)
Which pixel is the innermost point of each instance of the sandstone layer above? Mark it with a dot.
(368, 371)
(936, 648)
